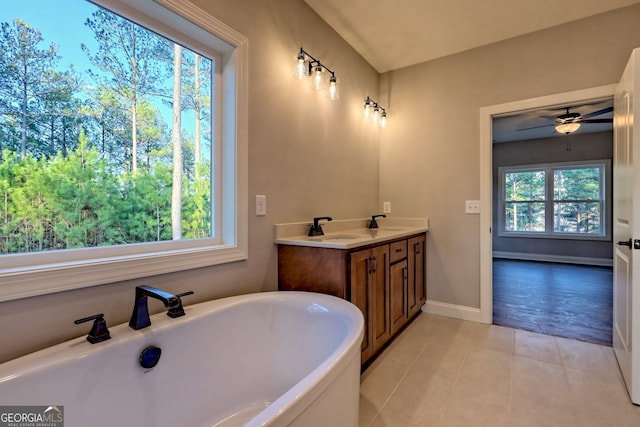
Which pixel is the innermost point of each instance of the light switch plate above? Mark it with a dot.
(386, 207)
(261, 205)
(472, 207)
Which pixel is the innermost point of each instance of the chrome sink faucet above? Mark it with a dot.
(316, 228)
(140, 316)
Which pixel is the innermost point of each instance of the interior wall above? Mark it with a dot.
(430, 154)
(310, 156)
(591, 146)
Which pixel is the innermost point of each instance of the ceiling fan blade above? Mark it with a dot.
(536, 127)
(596, 121)
(597, 113)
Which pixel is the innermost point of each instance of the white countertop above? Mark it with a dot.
(349, 234)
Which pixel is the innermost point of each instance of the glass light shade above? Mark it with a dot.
(300, 67)
(567, 128)
(383, 119)
(333, 88)
(376, 114)
(367, 108)
(317, 80)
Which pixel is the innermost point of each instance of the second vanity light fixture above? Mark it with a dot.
(375, 111)
(306, 65)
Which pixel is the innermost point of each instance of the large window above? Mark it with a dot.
(557, 200)
(123, 143)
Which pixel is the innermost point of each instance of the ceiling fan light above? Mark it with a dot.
(567, 128)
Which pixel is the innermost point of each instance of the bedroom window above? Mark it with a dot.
(562, 200)
(123, 143)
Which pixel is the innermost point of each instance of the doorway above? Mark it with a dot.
(552, 222)
(487, 114)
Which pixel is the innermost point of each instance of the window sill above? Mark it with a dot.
(24, 282)
(554, 236)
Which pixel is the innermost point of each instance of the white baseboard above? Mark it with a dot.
(601, 262)
(452, 310)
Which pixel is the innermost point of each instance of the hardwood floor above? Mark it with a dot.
(565, 300)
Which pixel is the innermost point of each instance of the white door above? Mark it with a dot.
(626, 228)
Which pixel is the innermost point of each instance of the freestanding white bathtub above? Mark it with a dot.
(265, 359)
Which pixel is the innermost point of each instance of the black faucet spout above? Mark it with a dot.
(140, 315)
(374, 224)
(316, 228)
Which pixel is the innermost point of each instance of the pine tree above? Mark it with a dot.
(129, 54)
(27, 73)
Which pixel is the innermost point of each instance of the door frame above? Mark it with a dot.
(486, 173)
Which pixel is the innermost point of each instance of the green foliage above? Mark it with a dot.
(86, 164)
(527, 185)
(32, 91)
(579, 191)
(74, 201)
(576, 205)
(576, 184)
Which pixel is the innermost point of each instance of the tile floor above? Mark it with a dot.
(444, 372)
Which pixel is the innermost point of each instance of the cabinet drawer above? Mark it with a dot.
(398, 251)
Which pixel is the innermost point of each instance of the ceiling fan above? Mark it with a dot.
(570, 122)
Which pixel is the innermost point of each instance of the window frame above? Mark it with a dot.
(549, 168)
(32, 274)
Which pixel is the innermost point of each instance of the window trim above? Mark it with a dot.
(27, 275)
(549, 233)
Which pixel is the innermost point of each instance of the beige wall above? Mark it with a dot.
(430, 158)
(308, 155)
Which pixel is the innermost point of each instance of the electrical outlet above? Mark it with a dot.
(386, 207)
(472, 207)
(261, 205)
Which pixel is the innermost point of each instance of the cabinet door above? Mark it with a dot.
(379, 291)
(398, 275)
(417, 294)
(360, 270)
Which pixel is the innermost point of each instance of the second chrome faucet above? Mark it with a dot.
(140, 315)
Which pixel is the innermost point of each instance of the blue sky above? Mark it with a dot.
(59, 21)
(63, 22)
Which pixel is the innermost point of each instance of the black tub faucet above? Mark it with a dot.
(316, 228)
(140, 316)
(374, 223)
(99, 331)
(179, 310)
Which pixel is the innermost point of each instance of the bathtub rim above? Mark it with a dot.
(310, 387)
(285, 408)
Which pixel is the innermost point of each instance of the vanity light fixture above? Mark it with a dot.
(372, 108)
(306, 65)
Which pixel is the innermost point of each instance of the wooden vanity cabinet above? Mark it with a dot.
(386, 281)
(398, 277)
(398, 283)
(416, 267)
(369, 290)
(407, 280)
